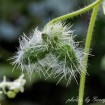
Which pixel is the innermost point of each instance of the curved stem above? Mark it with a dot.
(75, 13)
(85, 58)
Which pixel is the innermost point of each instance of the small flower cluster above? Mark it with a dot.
(51, 51)
(12, 88)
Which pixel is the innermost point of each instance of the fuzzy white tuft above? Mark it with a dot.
(52, 52)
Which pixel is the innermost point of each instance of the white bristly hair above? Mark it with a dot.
(37, 54)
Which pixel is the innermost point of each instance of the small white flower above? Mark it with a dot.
(18, 85)
(13, 87)
(53, 49)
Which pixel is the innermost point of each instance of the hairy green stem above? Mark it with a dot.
(85, 58)
(95, 7)
(75, 13)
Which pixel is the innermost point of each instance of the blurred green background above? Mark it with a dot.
(22, 16)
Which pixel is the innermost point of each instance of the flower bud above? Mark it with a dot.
(11, 94)
(52, 49)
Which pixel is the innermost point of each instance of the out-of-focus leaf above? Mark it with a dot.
(103, 63)
(7, 70)
(103, 4)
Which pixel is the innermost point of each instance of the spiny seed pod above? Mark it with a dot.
(53, 49)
